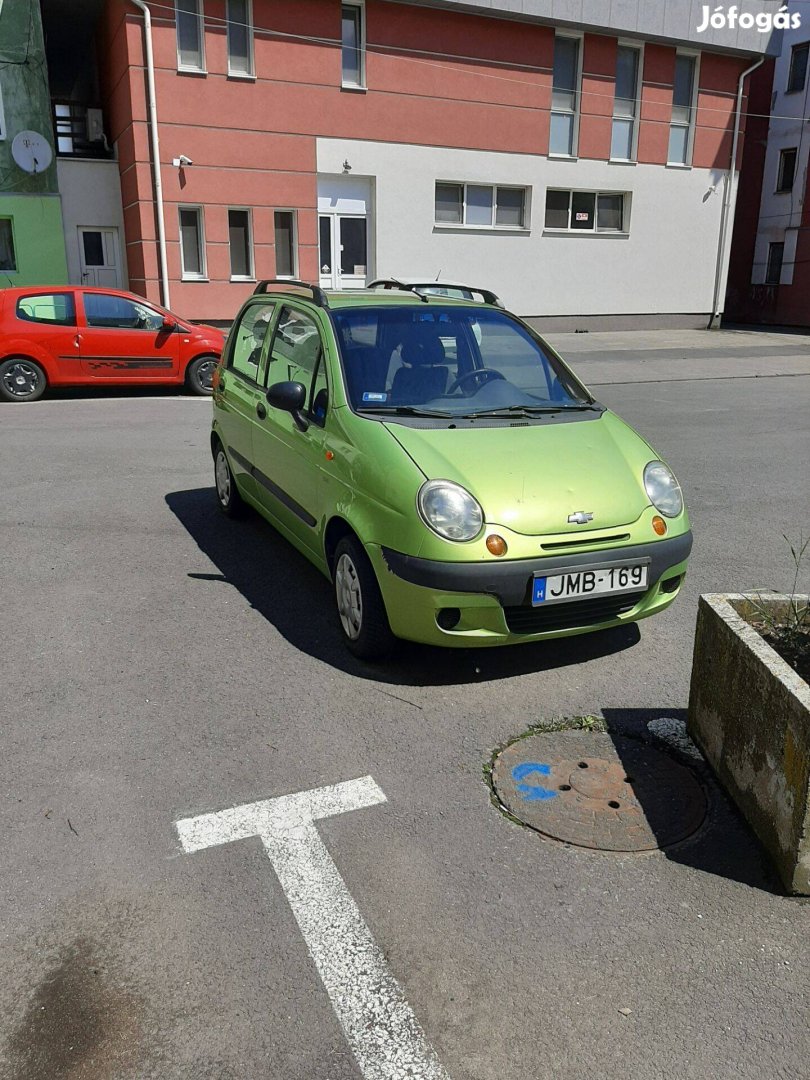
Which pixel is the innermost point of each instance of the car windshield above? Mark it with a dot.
(449, 361)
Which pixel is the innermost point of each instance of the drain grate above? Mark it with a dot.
(600, 791)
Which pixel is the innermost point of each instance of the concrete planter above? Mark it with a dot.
(749, 712)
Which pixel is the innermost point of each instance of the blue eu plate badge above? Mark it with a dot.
(539, 590)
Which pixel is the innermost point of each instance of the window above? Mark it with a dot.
(119, 313)
(798, 68)
(480, 206)
(56, 308)
(190, 35)
(2, 117)
(625, 104)
(587, 211)
(776, 252)
(353, 40)
(297, 356)
(192, 242)
(8, 258)
(249, 338)
(239, 238)
(683, 111)
(286, 245)
(240, 37)
(564, 97)
(787, 171)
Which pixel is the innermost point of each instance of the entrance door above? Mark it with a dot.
(98, 254)
(344, 229)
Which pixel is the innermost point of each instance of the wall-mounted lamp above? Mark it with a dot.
(346, 166)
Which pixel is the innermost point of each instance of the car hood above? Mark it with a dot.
(208, 331)
(529, 479)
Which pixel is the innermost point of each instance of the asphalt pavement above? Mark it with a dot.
(161, 662)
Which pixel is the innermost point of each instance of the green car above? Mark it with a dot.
(443, 467)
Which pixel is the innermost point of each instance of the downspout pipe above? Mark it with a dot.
(155, 152)
(724, 217)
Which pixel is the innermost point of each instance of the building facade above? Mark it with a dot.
(32, 249)
(770, 277)
(573, 157)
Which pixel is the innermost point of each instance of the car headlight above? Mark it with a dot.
(449, 510)
(663, 490)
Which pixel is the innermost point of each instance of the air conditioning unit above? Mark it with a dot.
(95, 125)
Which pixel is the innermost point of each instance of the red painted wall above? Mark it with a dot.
(434, 78)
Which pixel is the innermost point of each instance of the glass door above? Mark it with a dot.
(343, 251)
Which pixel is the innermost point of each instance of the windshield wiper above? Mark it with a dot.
(507, 411)
(408, 410)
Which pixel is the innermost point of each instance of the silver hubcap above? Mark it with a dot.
(349, 597)
(223, 477)
(205, 374)
(21, 379)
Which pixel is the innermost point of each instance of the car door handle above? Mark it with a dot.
(77, 340)
(261, 412)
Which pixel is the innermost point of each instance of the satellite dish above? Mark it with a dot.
(31, 151)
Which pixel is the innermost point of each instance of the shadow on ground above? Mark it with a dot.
(297, 600)
(724, 845)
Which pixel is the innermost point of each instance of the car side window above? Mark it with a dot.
(297, 355)
(56, 309)
(119, 313)
(249, 340)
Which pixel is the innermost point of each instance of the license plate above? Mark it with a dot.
(582, 584)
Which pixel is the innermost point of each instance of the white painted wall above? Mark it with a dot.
(91, 198)
(665, 265)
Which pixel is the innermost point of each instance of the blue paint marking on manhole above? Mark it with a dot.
(532, 792)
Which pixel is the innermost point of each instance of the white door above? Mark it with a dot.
(99, 257)
(344, 225)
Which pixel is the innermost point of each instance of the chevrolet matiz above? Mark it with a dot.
(442, 465)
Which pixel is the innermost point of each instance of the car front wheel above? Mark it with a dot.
(21, 379)
(200, 374)
(230, 501)
(360, 605)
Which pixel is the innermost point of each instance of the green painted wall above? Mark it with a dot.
(31, 201)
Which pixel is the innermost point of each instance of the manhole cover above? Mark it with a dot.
(599, 791)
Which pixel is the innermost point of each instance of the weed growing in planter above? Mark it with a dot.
(787, 629)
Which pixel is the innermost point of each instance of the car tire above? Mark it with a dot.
(21, 379)
(199, 375)
(228, 497)
(361, 609)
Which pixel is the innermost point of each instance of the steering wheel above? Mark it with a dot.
(483, 373)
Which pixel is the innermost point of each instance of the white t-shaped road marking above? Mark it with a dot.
(377, 1021)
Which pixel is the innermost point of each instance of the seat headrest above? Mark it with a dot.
(422, 347)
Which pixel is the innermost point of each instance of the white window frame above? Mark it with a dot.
(203, 274)
(287, 210)
(2, 118)
(201, 70)
(595, 231)
(464, 184)
(251, 274)
(771, 245)
(633, 159)
(780, 168)
(577, 111)
(232, 74)
(793, 51)
(361, 7)
(690, 137)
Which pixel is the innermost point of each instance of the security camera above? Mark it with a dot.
(181, 162)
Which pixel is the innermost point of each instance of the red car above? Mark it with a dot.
(70, 336)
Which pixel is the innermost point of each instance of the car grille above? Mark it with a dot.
(536, 620)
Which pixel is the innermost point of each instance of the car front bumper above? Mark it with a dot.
(493, 599)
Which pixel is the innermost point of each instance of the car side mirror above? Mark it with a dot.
(291, 397)
(168, 324)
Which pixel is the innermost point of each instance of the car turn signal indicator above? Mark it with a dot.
(659, 525)
(496, 544)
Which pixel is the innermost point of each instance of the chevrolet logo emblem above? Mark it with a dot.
(579, 518)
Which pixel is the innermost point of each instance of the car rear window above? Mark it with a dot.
(55, 308)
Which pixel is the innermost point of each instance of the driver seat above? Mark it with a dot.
(424, 374)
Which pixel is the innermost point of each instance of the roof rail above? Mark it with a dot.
(486, 295)
(318, 295)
